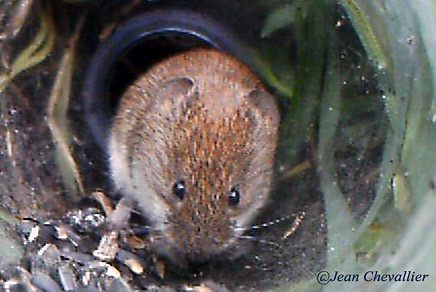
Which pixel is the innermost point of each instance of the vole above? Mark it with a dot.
(192, 144)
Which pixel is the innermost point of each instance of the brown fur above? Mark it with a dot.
(205, 118)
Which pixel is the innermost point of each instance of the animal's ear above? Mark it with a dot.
(174, 92)
(264, 107)
(264, 114)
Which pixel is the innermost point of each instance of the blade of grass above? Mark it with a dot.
(339, 217)
(58, 118)
(37, 51)
(365, 30)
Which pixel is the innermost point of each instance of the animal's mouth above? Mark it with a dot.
(211, 252)
(199, 248)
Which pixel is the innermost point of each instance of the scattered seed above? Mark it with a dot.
(207, 286)
(77, 257)
(113, 272)
(10, 284)
(108, 247)
(61, 233)
(34, 233)
(133, 262)
(104, 201)
(45, 282)
(67, 278)
(160, 268)
(86, 278)
(135, 266)
(120, 284)
(135, 242)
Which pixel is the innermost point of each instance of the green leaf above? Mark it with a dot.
(278, 19)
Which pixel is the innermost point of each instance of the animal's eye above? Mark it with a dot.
(234, 197)
(179, 189)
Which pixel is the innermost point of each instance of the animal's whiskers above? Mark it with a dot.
(256, 239)
(296, 223)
